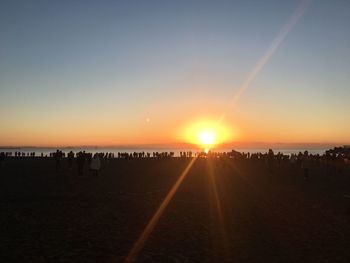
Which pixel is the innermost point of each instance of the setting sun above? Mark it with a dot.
(207, 137)
(207, 134)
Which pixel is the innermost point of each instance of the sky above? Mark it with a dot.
(143, 72)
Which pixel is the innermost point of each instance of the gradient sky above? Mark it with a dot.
(139, 72)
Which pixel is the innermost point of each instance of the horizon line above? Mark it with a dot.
(189, 145)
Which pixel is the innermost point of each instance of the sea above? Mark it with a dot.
(47, 150)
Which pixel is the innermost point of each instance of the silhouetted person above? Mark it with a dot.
(81, 162)
(305, 168)
(95, 164)
(58, 157)
(270, 157)
(88, 157)
(70, 159)
(2, 159)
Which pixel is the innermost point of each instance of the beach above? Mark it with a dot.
(224, 211)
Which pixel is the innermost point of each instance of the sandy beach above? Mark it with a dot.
(225, 210)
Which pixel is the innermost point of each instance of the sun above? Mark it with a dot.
(207, 137)
(206, 134)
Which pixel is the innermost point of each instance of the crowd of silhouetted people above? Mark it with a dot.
(331, 159)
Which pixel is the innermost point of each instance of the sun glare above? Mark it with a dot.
(207, 134)
(207, 137)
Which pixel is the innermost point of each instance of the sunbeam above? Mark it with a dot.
(275, 44)
(213, 188)
(138, 245)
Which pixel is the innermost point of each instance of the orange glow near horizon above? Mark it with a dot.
(242, 129)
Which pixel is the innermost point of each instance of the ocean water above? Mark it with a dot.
(46, 151)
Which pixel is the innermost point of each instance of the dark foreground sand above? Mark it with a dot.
(49, 216)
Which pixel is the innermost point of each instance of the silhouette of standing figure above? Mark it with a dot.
(305, 168)
(70, 159)
(95, 164)
(2, 159)
(81, 162)
(270, 157)
(58, 156)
